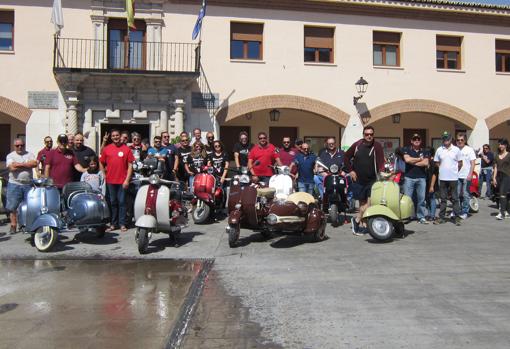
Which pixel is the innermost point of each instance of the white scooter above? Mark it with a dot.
(158, 207)
(282, 182)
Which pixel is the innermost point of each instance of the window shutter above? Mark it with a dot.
(121, 24)
(448, 43)
(316, 37)
(246, 31)
(7, 17)
(386, 38)
(503, 46)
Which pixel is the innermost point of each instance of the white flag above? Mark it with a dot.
(57, 18)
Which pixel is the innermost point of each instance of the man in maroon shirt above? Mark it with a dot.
(116, 161)
(43, 154)
(261, 157)
(61, 162)
(287, 153)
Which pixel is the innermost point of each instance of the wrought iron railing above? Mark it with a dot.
(126, 56)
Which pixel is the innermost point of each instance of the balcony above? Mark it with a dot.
(111, 57)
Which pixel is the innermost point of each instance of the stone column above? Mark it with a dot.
(154, 45)
(89, 131)
(100, 45)
(71, 124)
(179, 116)
(163, 121)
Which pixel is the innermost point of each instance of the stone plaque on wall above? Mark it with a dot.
(43, 99)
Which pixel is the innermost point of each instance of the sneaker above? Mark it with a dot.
(507, 215)
(458, 221)
(463, 216)
(439, 221)
(361, 231)
(499, 217)
(423, 221)
(452, 215)
(12, 230)
(354, 226)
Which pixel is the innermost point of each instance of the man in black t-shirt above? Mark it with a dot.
(486, 167)
(242, 149)
(82, 153)
(417, 161)
(183, 151)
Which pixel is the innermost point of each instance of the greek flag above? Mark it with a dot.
(198, 24)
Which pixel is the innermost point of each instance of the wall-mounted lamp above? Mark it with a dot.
(361, 88)
(274, 115)
(395, 118)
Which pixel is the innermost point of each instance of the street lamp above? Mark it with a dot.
(274, 115)
(361, 88)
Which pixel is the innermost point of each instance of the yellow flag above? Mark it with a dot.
(130, 10)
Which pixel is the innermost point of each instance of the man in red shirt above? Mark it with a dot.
(116, 161)
(261, 157)
(287, 153)
(61, 163)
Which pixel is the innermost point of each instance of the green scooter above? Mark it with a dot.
(389, 209)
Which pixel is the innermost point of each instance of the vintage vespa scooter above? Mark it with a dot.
(389, 209)
(209, 195)
(158, 206)
(334, 199)
(46, 213)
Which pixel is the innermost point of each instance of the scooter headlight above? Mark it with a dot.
(286, 171)
(237, 206)
(334, 168)
(271, 219)
(154, 179)
(244, 179)
(244, 170)
(210, 170)
(263, 200)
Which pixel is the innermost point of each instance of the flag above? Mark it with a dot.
(57, 18)
(130, 9)
(198, 24)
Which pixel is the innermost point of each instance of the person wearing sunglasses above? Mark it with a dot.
(184, 150)
(363, 160)
(195, 161)
(219, 161)
(20, 164)
(465, 173)
(486, 165)
(172, 158)
(209, 147)
(260, 159)
(330, 155)
(449, 159)
(242, 149)
(42, 155)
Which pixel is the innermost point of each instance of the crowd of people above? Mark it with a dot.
(423, 173)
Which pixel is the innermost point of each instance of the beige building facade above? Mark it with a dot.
(430, 66)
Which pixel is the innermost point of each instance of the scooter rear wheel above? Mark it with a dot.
(320, 234)
(45, 238)
(233, 234)
(381, 228)
(473, 204)
(333, 215)
(142, 239)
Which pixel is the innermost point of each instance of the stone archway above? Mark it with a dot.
(314, 106)
(14, 109)
(420, 105)
(498, 118)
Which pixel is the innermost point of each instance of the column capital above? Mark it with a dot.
(179, 103)
(99, 19)
(71, 97)
(154, 21)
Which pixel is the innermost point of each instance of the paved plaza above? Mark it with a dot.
(440, 287)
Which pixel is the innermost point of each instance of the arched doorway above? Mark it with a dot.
(499, 127)
(396, 122)
(299, 117)
(13, 119)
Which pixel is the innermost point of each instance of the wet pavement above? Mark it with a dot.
(92, 303)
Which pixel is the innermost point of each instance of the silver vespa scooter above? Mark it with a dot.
(158, 206)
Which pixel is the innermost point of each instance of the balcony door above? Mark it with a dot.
(126, 48)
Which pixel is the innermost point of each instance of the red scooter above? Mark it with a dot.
(209, 195)
(475, 194)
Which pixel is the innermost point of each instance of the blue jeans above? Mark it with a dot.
(464, 195)
(433, 205)
(118, 202)
(319, 183)
(485, 176)
(416, 188)
(190, 183)
(16, 193)
(306, 187)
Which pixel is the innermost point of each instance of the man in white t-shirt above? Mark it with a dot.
(465, 173)
(20, 164)
(449, 159)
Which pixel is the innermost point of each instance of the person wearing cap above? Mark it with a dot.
(298, 144)
(61, 163)
(465, 173)
(415, 178)
(449, 159)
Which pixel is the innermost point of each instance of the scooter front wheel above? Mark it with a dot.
(201, 212)
(142, 239)
(233, 234)
(45, 238)
(333, 215)
(473, 204)
(381, 228)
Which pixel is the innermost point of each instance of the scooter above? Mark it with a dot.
(389, 209)
(334, 199)
(474, 206)
(158, 206)
(209, 195)
(46, 213)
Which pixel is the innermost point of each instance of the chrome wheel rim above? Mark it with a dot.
(381, 226)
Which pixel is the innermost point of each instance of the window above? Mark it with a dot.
(386, 48)
(503, 56)
(319, 44)
(448, 52)
(246, 40)
(126, 49)
(6, 30)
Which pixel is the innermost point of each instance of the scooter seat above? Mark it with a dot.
(266, 192)
(301, 196)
